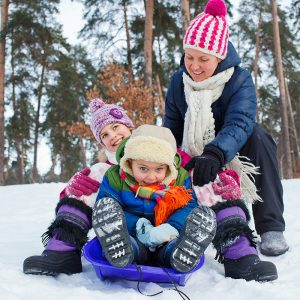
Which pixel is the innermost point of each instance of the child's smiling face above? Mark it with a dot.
(112, 135)
(148, 173)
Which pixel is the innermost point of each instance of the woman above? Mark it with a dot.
(211, 107)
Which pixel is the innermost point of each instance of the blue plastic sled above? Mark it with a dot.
(93, 253)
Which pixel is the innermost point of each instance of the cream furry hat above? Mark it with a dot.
(151, 143)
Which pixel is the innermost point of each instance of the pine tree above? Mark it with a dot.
(18, 133)
(255, 30)
(4, 17)
(33, 40)
(295, 14)
(106, 25)
(185, 12)
(67, 105)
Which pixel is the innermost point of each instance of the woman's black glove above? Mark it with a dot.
(206, 165)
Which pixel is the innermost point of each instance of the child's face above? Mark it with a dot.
(148, 173)
(112, 135)
(199, 64)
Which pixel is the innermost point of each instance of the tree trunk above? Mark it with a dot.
(161, 106)
(297, 121)
(148, 42)
(294, 135)
(280, 156)
(185, 14)
(6, 166)
(238, 44)
(255, 64)
(284, 115)
(20, 161)
(129, 61)
(18, 142)
(82, 151)
(51, 174)
(37, 123)
(160, 52)
(12, 65)
(63, 176)
(4, 17)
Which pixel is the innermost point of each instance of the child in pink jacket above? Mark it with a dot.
(67, 234)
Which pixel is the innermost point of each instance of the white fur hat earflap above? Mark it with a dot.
(151, 143)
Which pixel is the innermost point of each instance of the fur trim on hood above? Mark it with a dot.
(151, 143)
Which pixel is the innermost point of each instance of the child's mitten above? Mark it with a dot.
(162, 233)
(228, 186)
(81, 184)
(152, 236)
(143, 228)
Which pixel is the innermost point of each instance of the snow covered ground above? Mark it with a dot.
(26, 211)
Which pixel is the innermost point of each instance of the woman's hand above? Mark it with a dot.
(206, 165)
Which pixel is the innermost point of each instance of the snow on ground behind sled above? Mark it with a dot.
(27, 211)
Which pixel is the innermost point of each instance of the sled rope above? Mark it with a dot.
(181, 293)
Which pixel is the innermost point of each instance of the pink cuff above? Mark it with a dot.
(185, 158)
(62, 194)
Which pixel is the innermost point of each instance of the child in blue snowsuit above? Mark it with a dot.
(146, 211)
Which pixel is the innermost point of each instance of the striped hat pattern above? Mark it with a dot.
(208, 32)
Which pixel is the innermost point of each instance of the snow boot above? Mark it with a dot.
(110, 226)
(63, 241)
(235, 244)
(273, 243)
(52, 263)
(250, 267)
(184, 253)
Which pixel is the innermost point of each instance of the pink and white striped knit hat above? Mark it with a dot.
(208, 32)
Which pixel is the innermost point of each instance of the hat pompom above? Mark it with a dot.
(216, 8)
(95, 104)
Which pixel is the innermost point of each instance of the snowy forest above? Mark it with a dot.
(126, 53)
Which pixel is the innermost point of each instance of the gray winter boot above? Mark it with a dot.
(273, 243)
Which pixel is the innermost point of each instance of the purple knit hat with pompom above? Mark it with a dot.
(208, 32)
(104, 114)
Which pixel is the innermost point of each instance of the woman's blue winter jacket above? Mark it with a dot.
(234, 112)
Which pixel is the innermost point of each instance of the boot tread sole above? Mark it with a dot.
(110, 227)
(198, 231)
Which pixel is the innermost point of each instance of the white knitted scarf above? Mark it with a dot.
(199, 126)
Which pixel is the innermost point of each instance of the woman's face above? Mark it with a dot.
(200, 65)
(112, 135)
